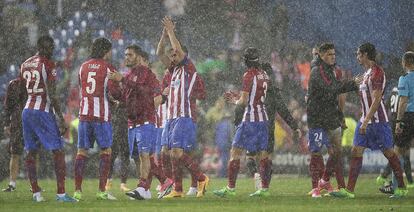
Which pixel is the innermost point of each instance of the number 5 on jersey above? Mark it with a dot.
(92, 82)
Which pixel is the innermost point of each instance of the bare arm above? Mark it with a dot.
(175, 44)
(243, 99)
(402, 107)
(161, 49)
(342, 100)
(51, 88)
(157, 101)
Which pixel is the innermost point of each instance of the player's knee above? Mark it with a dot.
(107, 151)
(357, 151)
(164, 150)
(389, 153)
(176, 153)
(82, 152)
(263, 155)
(144, 156)
(316, 154)
(235, 155)
(31, 155)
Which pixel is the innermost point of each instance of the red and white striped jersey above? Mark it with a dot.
(161, 115)
(255, 82)
(36, 72)
(374, 79)
(185, 87)
(94, 88)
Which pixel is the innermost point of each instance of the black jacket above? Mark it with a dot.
(322, 104)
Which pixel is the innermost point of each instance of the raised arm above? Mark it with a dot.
(161, 49)
(175, 44)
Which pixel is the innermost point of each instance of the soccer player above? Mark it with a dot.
(120, 143)
(184, 87)
(252, 133)
(95, 114)
(14, 103)
(165, 160)
(325, 118)
(273, 104)
(39, 117)
(142, 95)
(373, 130)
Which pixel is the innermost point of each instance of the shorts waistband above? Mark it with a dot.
(138, 125)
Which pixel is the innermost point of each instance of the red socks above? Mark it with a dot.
(31, 173)
(316, 168)
(192, 166)
(233, 170)
(60, 170)
(265, 169)
(339, 174)
(177, 175)
(166, 164)
(396, 167)
(329, 168)
(80, 162)
(354, 169)
(104, 166)
(157, 171)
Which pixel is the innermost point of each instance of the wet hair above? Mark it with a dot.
(324, 47)
(138, 51)
(100, 47)
(408, 58)
(369, 49)
(251, 57)
(44, 43)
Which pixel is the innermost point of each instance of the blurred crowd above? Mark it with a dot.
(215, 35)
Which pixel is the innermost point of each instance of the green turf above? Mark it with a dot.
(288, 194)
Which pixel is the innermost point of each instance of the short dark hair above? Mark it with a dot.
(408, 58)
(251, 57)
(368, 48)
(324, 47)
(44, 42)
(138, 50)
(100, 47)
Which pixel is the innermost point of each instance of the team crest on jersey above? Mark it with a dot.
(363, 87)
(54, 72)
(176, 83)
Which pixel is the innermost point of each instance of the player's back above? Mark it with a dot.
(36, 72)
(256, 82)
(93, 81)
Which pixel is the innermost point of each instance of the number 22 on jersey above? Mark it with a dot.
(32, 76)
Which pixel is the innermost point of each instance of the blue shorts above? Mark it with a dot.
(158, 141)
(91, 131)
(40, 126)
(252, 136)
(164, 136)
(318, 138)
(378, 136)
(181, 134)
(141, 139)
